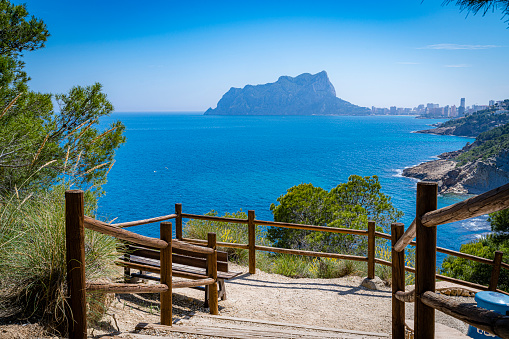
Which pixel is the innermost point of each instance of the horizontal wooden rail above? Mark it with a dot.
(491, 201)
(122, 234)
(219, 244)
(406, 297)
(126, 288)
(189, 247)
(145, 221)
(311, 227)
(193, 283)
(388, 263)
(406, 238)
(310, 253)
(465, 256)
(212, 218)
(383, 235)
(485, 320)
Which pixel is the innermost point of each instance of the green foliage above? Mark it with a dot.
(225, 232)
(481, 6)
(476, 123)
(349, 205)
(477, 272)
(32, 255)
(499, 221)
(488, 144)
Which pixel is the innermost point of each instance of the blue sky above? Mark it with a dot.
(183, 56)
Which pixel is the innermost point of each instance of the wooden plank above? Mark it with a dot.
(251, 241)
(125, 288)
(193, 248)
(241, 332)
(306, 327)
(383, 235)
(166, 270)
(221, 255)
(398, 283)
(122, 234)
(311, 253)
(485, 320)
(462, 282)
(406, 239)
(311, 227)
(425, 259)
(464, 256)
(75, 262)
(211, 218)
(495, 200)
(371, 249)
(144, 221)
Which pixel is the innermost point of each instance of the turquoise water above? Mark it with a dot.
(227, 163)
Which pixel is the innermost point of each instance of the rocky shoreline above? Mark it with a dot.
(472, 178)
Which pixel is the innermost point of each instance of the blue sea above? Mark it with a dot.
(231, 163)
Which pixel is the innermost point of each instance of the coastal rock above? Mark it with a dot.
(306, 94)
(473, 178)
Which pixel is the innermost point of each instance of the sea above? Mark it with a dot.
(232, 163)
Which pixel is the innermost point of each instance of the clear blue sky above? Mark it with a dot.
(183, 56)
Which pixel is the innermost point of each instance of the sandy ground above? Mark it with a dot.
(336, 303)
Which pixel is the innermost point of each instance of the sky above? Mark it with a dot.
(164, 55)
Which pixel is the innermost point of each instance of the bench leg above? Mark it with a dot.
(222, 289)
(206, 303)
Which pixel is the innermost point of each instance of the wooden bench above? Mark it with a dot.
(185, 264)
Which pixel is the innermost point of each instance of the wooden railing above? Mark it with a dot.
(426, 250)
(426, 300)
(77, 287)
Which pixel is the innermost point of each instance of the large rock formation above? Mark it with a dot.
(474, 177)
(306, 94)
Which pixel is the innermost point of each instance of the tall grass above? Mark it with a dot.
(32, 256)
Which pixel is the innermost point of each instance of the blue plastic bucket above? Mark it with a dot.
(493, 301)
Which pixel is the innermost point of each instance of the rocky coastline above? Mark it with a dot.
(471, 178)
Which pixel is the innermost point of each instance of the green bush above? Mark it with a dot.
(475, 272)
(32, 256)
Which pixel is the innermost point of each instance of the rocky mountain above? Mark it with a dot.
(306, 94)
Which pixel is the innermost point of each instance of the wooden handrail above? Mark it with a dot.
(144, 221)
(219, 244)
(213, 218)
(310, 253)
(122, 234)
(126, 288)
(311, 227)
(495, 200)
(406, 297)
(485, 320)
(193, 283)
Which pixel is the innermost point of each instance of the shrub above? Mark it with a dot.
(32, 256)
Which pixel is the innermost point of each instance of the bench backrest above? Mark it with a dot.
(182, 257)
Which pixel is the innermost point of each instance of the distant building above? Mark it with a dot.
(461, 109)
(393, 110)
(491, 103)
(454, 111)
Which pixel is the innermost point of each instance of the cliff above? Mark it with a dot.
(477, 168)
(306, 94)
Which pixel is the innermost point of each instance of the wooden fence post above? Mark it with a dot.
(426, 253)
(251, 241)
(497, 261)
(212, 273)
(398, 283)
(166, 278)
(371, 249)
(75, 258)
(178, 221)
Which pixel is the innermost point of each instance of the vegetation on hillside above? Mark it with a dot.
(45, 150)
(474, 124)
(484, 247)
(488, 144)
